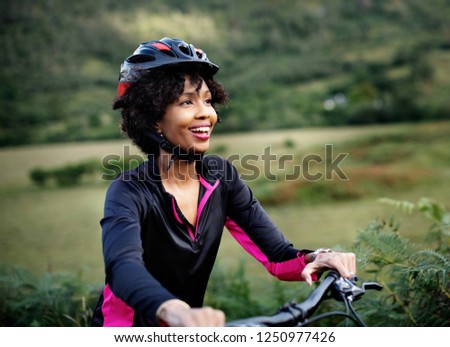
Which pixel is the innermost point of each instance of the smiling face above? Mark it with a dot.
(188, 122)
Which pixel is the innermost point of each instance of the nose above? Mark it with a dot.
(203, 116)
(205, 111)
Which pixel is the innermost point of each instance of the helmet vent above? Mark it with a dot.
(141, 58)
(169, 53)
(185, 49)
(199, 53)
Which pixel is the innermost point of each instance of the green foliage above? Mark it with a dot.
(231, 293)
(289, 143)
(378, 93)
(414, 277)
(64, 176)
(50, 300)
(73, 174)
(281, 61)
(439, 230)
(39, 176)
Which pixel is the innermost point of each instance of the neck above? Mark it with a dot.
(180, 171)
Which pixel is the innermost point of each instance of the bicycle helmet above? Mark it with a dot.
(166, 52)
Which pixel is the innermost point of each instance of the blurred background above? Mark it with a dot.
(370, 77)
(286, 63)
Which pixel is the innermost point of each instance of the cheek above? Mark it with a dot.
(172, 122)
(214, 117)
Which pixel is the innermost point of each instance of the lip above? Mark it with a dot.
(201, 135)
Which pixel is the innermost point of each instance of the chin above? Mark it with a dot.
(201, 149)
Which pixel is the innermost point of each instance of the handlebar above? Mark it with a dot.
(299, 314)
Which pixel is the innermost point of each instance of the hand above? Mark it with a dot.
(344, 263)
(179, 314)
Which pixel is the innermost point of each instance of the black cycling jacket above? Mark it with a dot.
(152, 254)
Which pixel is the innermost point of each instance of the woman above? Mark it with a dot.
(163, 221)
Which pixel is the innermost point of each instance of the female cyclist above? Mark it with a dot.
(163, 221)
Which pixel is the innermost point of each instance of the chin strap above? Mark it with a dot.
(176, 151)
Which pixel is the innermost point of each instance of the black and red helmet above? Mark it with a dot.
(165, 52)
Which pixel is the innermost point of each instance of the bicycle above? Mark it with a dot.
(301, 314)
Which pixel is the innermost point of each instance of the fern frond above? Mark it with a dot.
(431, 209)
(382, 247)
(405, 206)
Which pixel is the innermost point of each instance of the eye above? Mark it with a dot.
(186, 102)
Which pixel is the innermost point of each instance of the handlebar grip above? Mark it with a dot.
(310, 305)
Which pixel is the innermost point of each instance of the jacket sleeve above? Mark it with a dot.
(251, 226)
(126, 274)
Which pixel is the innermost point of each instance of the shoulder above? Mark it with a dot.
(138, 183)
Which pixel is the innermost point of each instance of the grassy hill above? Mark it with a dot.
(55, 228)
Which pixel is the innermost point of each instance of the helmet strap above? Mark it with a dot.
(176, 152)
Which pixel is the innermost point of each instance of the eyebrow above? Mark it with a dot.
(207, 92)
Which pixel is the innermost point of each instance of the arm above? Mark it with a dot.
(126, 274)
(252, 228)
(287, 266)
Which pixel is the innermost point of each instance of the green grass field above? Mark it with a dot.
(57, 229)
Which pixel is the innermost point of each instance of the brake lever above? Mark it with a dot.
(372, 286)
(347, 288)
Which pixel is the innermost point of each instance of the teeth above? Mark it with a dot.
(200, 129)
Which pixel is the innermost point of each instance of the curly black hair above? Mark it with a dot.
(145, 101)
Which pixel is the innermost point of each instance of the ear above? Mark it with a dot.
(158, 129)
